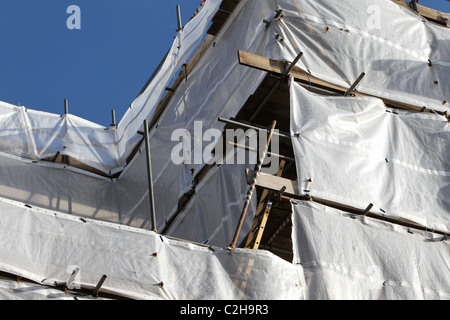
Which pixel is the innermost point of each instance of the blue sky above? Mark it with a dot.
(101, 67)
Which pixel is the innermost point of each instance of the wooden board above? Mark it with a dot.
(278, 67)
(275, 183)
(221, 17)
(428, 13)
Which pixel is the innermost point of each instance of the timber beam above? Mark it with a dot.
(291, 192)
(278, 68)
(428, 13)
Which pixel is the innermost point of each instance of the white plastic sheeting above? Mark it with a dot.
(357, 152)
(22, 290)
(218, 86)
(345, 161)
(354, 257)
(213, 213)
(125, 201)
(390, 43)
(215, 88)
(187, 40)
(39, 135)
(46, 247)
(64, 189)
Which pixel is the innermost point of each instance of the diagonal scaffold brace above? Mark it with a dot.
(252, 188)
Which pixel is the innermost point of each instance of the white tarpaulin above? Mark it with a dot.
(186, 42)
(213, 213)
(46, 247)
(22, 290)
(356, 152)
(38, 135)
(405, 58)
(354, 257)
(353, 151)
(125, 200)
(217, 87)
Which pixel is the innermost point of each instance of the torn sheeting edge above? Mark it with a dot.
(346, 256)
(40, 245)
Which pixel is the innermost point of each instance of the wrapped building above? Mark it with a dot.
(351, 200)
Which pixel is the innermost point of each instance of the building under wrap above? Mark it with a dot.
(358, 206)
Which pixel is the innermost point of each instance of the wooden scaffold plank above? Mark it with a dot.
(278, 67)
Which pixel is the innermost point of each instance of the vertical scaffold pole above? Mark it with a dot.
(66, 107)
(150, 175)
(413, 5)
(113, 115)
(252, 187)
(180, 24)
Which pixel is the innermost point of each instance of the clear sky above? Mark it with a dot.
(102, 66)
